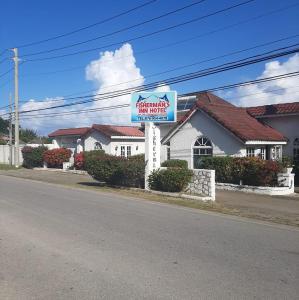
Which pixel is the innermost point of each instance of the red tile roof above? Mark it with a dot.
(274, 109)
(111, 130)
(234, 119)
(70, 131)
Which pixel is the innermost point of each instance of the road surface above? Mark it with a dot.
(63, 243)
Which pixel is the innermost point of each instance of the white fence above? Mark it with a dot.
(5, 154)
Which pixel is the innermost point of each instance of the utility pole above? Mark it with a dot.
(17, 145)
(10, 129)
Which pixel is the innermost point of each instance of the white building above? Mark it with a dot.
(284, 118)
(115, 140)
(216, 127)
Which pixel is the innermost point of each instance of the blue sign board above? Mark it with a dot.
(157, 107)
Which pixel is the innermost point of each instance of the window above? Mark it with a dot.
(202, 147)
(129, 152)
(250, 152)
(123, 151)
(296, 150)
(168, 150)
(276, 153)
(263, 153)
(97, 146)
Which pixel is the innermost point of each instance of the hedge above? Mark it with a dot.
(56, 157)
(175, 163)
(115, 170)
(33, 157)
(170, 180)
(250, 170)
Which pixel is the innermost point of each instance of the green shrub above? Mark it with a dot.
(175, 163)
(114, 169)
(224, 167)
(2, 142)
(251, 170)
(170, 180)
(33, 157)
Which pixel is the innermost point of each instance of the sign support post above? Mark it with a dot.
(152, 108)
(152, 150)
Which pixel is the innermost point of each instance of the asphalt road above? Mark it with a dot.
(62, 243)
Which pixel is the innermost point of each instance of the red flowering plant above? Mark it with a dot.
(56, 157)
(79, 161)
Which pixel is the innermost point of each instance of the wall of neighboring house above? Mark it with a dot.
(288, 126)
(69, 142)
(223, 142)
(136, 146)
(94, 137)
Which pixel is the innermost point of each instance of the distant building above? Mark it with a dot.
(115, 140)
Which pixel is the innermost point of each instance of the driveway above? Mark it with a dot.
(62, 243)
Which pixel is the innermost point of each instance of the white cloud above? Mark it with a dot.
(271, 92)
(162, 88)
(107, 72)
(111, 69)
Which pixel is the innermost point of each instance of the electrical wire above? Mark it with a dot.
(138, 37)
(230, 86)
(88, 26)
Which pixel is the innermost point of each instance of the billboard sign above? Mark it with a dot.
(157, 107)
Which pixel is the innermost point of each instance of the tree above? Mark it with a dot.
(27, 135)
(4, 124)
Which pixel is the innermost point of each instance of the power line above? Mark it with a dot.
(196, 63)
(178, 79)
(88, 26)
(120, 30)
(139, 37)
(230, 86)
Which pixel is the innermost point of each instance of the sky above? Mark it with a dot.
(155, 58)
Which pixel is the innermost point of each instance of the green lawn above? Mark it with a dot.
(7, 167)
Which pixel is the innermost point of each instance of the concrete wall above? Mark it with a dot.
(224, 143)
(4, 155)
(137, 146)
(288, 126)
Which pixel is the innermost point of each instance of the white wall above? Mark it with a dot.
(288, 126)
(137, 146)
(224, 143)
(94, 136)
(4, 155)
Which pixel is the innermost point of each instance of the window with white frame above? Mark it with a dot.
(250, 152)
(129, 151)
(123, 151)
(296, 150)
(263, 153)
(276, 152)
(202, 147)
